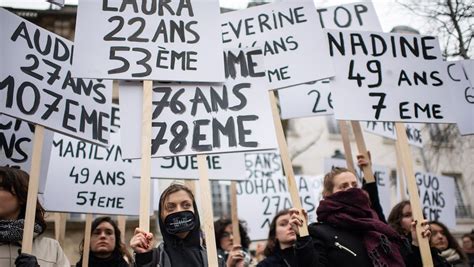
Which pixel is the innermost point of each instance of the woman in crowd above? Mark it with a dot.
(401, 220)
(180, 227)
(46, 252)
(449, 248)
(225, 241)
(284, 248)
(106, 246)
(468, 247)
(349, 231)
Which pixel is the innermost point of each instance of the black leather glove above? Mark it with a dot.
(26, 260)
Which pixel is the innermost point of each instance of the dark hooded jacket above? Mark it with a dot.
(115, 260)
(176, 252)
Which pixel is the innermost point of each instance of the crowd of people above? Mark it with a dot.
(351, 231)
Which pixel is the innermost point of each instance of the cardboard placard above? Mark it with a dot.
(289, 35)
(16, 146)
(462, 92)
(263, 165)
(37, 85)
(387, 129)
(389, 77)
(437, 197)
(382, 177)
(57, 2)
(268, 195)
(315, 98)
(228, 166)
(204, 118)
(149, 40)
(87, 178)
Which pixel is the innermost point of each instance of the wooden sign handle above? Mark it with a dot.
(33, 185)
(400, 174)
(87, 241)
(206, 202)
(145, 179)
(60, 227)
(407, 163)
(368, 174)
(122, 226)
(285, 158)
(234, 213)
(346, 142)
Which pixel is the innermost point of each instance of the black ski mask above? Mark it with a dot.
(179, 222)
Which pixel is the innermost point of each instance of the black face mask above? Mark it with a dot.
(179, 222)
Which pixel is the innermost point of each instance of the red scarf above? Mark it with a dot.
(351, 210)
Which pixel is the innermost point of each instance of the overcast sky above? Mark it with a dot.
(390, 13)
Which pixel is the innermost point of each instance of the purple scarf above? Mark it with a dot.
(351, 210)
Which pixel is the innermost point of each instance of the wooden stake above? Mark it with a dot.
(346, 142)
(400, 174)
(285, 158)
(87, 241)
(234, 213)
(60, 227)
(407, 163)
(368, 174)
(206, 203)
(145, 180)
(33, 184)
(122, 225)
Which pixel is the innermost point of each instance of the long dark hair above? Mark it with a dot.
(396, 215)
(452, 242)
(219, 229)
(272, 242)
(16, 181)
(120, 248)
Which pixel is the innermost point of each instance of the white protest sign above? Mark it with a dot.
(260, 199)
(16, 146)
(437, 198)
(387, 129)
(389, 77)
(305, 100)
(149, 40)
(204, 118)
(468, 66)
(57, 2)
(263, 165)
(462, 92)
(87, 178)
(228, 166)
(382, 178)
(37, 85)
(315, 98)
(353, 16)
(289, 35)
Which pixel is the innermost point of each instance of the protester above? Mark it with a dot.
(106, 246)
(225, 242)
(349, 231)
(401, 218)
(46, 252)
(283, 247)
(449, 248)
(468, 247)
(180, 227)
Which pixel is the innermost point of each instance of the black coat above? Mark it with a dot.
(301, 255)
